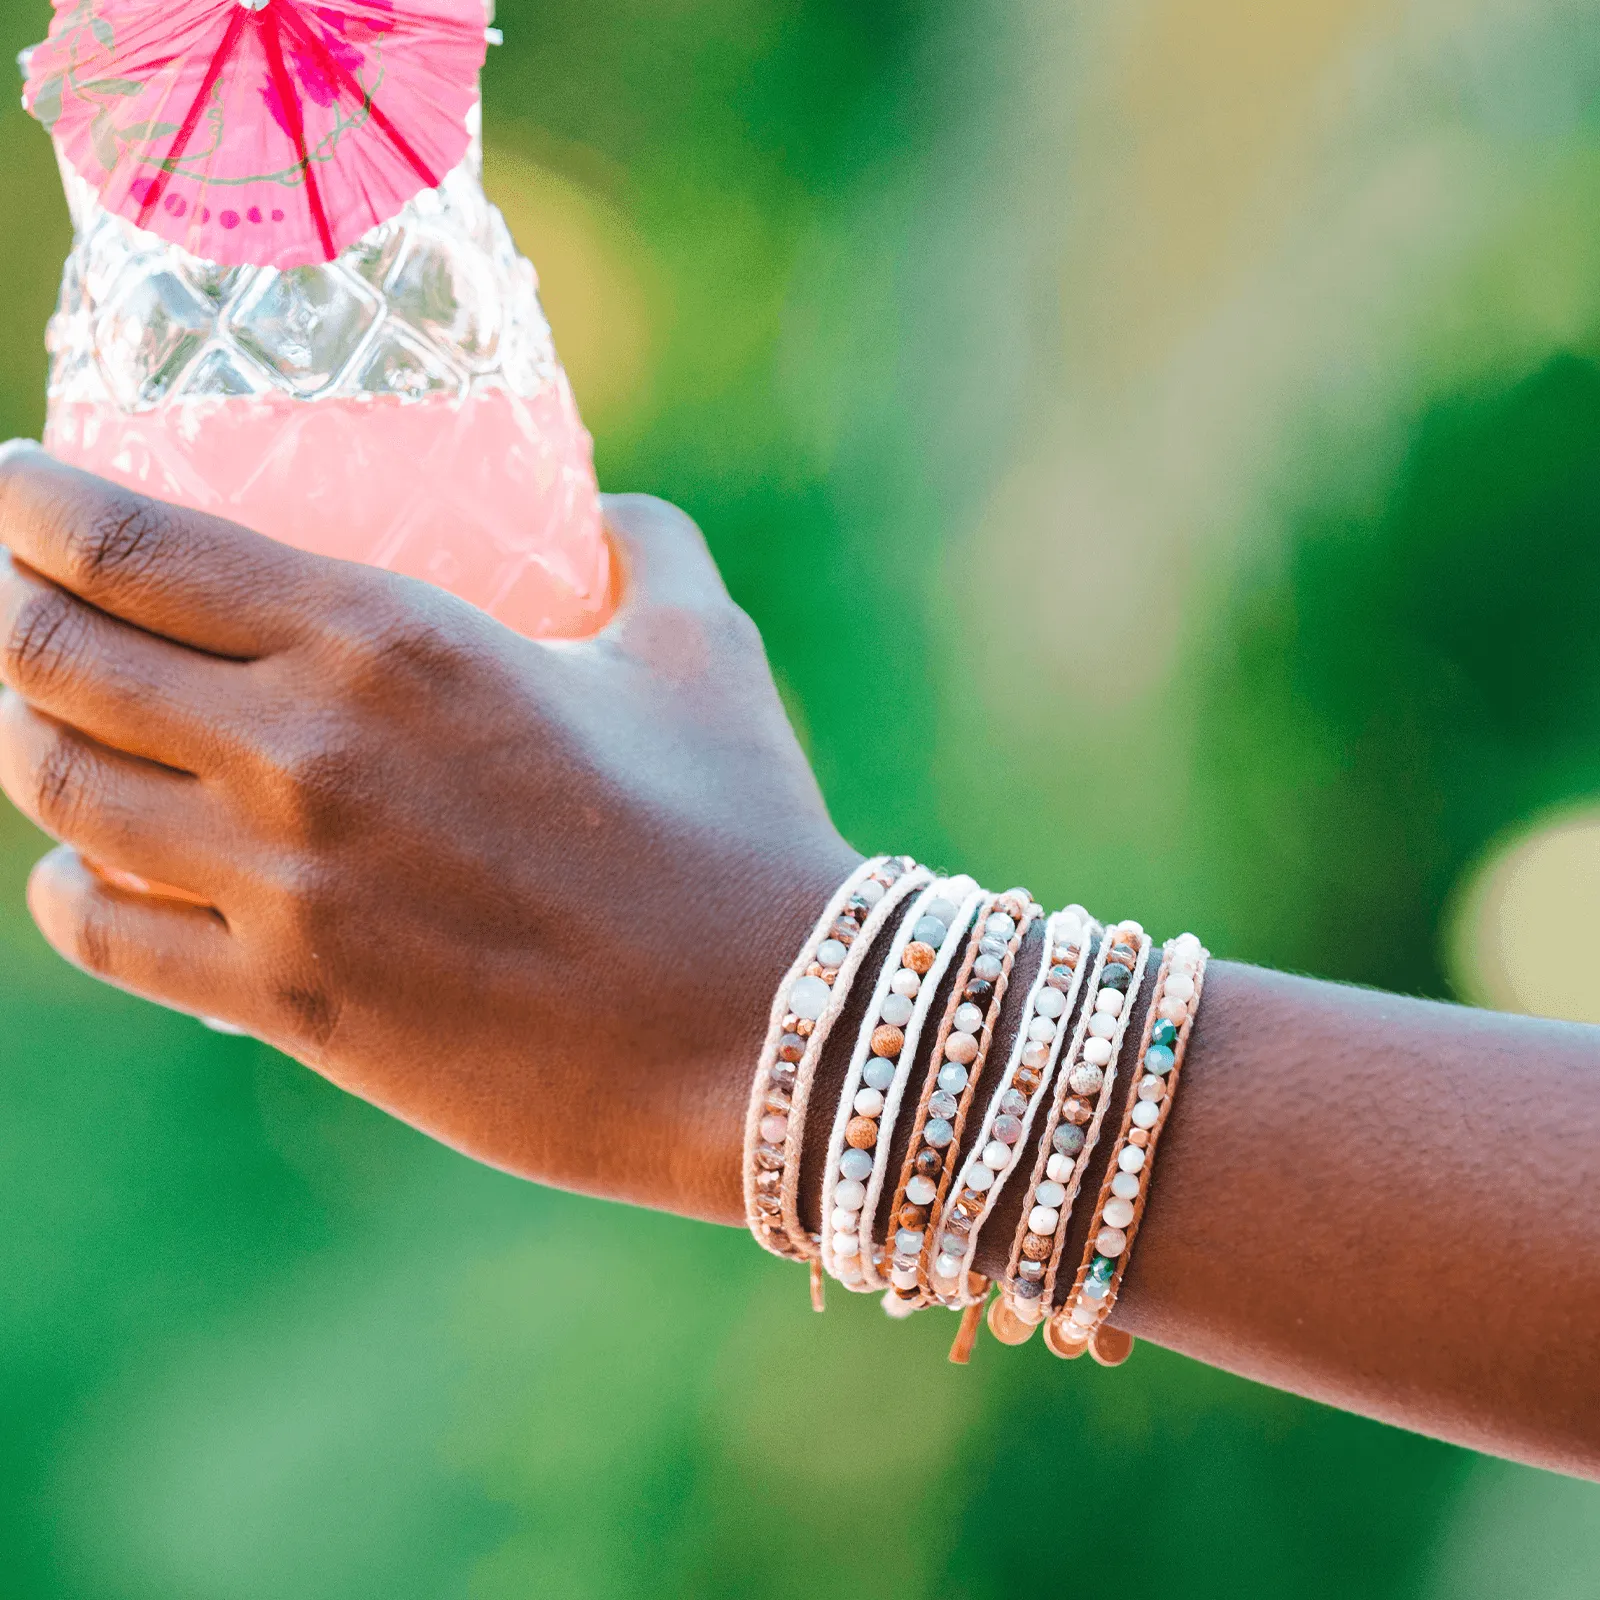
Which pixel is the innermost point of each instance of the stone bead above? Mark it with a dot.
(845, 1219)
(987, 968)
(1179, 986)
(804, 1026)
(1175, 1011)
(1059, 978)
(887, 1040)
(845, 930)
(953, 1077)
(979, 1177)
(1188, 945)
(979, 991)
(861, 1133)
(1049, 1003)
(942, 1105)
(990, 946)
(908, 1242)
(996, 1155)
(782, 1076)
(1000, 925)
(1129, 931)
(1158, 1059)
(1117, 1214)
(912, 1216)
(1058, 1169)
(1146, 1113)
(1110, 1001)
(1086, 1078)
(1103, 1268)
(1151, 1088)
(1049, 1194)
(921, 1191)
(906, 983)
(928, 1163)
(791, 1047)
(937, 1133)
(1125, 1185)
(809, 998)
(856, 1164)
(774, 1128)
(769, 1156)
(929, 930)
(1102, 1026)
(1027, 1290)
(904, 1277)
(918, 957)
(817, 970)
(1042, 1029)
(768, 1182)
(961, 1216)
(961, 1047)
(1030, 1269)
(1165, 1033)
(1076, 1110)
(1111, 1241)
(871, 891)
(945, 1268)
(1043, 1219)
(1097, 1052)
(850, 1194)
(1036, 1055)
(868, 1103)
(1139, 1136)
(1131, 1159)
(830, 953)
(896, 1010)
(940, 909)
(1007, 1130)
(878, 1073)
(1085, 1316)
(1067, 1140)
(1115, 977)
(1028, 1079)
(1036, 1247)
(779, 1100)
(1013, 1103)
(846, 1244)
(1094, 1289)
(968, 1018)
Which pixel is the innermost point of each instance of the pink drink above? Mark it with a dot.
(491, 496)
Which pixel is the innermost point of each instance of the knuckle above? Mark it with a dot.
(378, 645)
(120, 539)
(62, 779)
(44, 640)
(317, 784)
(94, 937)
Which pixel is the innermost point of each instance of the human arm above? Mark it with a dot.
(535, 901)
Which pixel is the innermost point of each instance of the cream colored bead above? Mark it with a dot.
(1109, 1001)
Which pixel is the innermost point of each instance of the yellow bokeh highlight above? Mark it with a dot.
(1525, 933)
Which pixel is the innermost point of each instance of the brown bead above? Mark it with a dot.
(974, 1200)
(887, 1040)
(979, 993)
(929, 1163)
(1037, 1248)
(791, 1047)
(805, 1027)
(957, 1221)
(913, 1216)
(783, 1074)
(1028, 1079)
(917, 956)
(815, 970)
(779, 1101)
(1139, 1136)
(768, 1182)
(845, 930)
(1077, 1111)
(1060, 978)
(769, 1156)
(769, 1205)
(1124, 955)
(964, 1215)
(861, 1133)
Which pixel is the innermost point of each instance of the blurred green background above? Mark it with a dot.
(1196, 404)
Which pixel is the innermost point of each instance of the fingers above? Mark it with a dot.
(665, 561)
(193, 578)
(122, 686)
(181, 955)
(128, 813)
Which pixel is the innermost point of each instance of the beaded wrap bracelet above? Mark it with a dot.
(1080, 1323)
(802, 1011)
(1018, 1093)
(955, 939)
(886, 1045)
(959, 1054)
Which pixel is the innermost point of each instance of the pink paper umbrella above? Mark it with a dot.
(272, 132)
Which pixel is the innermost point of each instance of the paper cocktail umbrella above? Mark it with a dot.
(272, 132)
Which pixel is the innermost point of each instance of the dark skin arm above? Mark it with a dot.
(535, 902)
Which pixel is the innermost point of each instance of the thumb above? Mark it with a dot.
(663, 557)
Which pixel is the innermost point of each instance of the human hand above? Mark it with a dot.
(533, 899)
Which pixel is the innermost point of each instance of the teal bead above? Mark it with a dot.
(1164, 1032)
(1102, 1268)
(1159, 1060)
